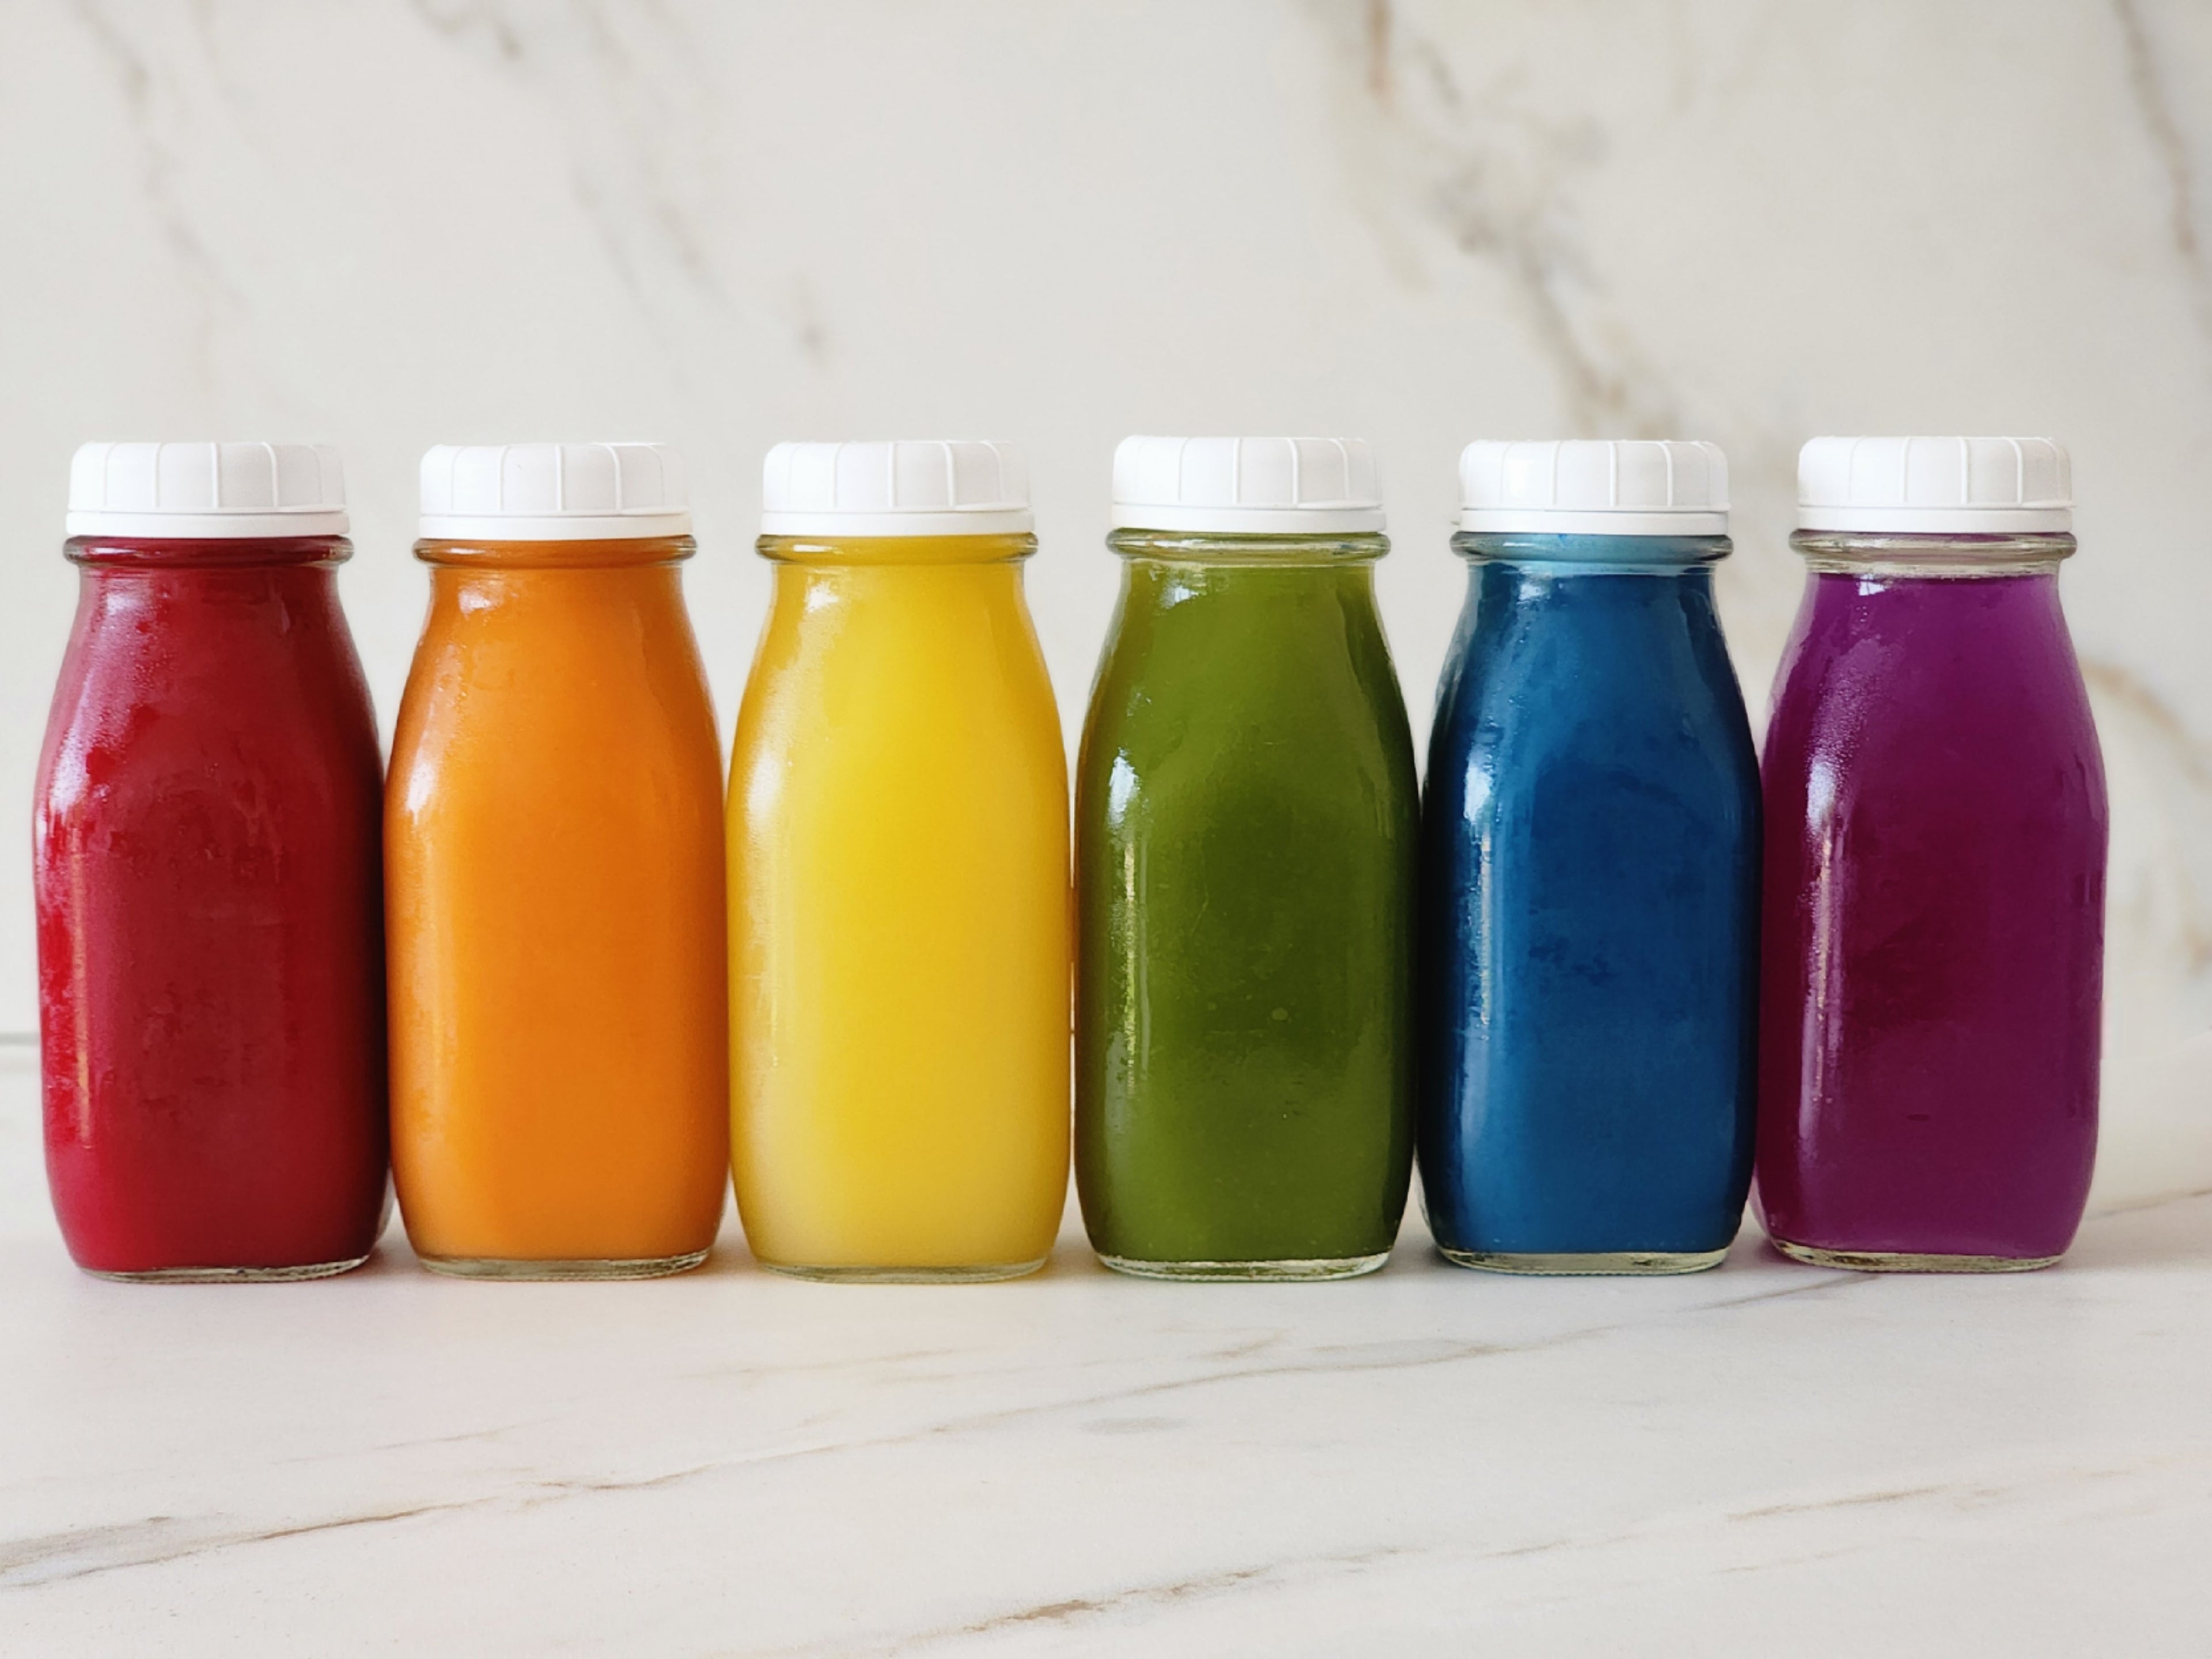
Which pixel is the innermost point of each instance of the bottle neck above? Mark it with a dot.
(1889, 555)
(877, 552)
(641, 553)
(102, 554)
(1181, 547)
(1592, 555)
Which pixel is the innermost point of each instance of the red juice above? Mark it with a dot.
(210, 915)
(1934, 911)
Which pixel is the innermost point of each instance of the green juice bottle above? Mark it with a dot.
(1246, 820)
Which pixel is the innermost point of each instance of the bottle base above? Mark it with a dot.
(987, 1272)
(516, 1268)
(1284, 1272)
(1910, 1262)
(232, 1275)
(1587, 1264)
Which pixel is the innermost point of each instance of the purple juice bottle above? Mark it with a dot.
(1934, 900)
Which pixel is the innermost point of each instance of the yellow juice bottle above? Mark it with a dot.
(898, 877)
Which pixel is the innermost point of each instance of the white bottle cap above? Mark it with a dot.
(1594, 487)
(206, 490)
(1934, 486)
(553, 492)
(896, 487)
(1247, 486)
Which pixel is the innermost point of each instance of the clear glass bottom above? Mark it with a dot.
(1910, 1262)
(232, 1275)
(986, 1272)
(500, 1266)
(1348, 1267)
(1590, 1262)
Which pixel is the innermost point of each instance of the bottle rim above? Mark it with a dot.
(1943, 555)
(151, 552)
(1253, 548)
(965, 546)
(518, 553)
(1594, 553)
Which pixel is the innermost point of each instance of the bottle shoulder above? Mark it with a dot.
(264, 750)
(1980, 666)
(1520, 677)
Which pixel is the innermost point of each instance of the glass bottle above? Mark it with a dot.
(1246, 819)
(1589, 872)
(210, 924)
(898, 877)
(1934, 868)
(553, 845)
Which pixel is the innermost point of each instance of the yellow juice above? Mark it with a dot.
(899, 916)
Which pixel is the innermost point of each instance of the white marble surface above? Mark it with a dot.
(388, 225)
(1765, 1459)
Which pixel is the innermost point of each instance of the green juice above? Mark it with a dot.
(1246, 815)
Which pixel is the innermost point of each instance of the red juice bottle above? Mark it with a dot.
(1934, 868)
(208, 867)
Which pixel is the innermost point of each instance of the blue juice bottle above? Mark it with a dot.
(1589, 872)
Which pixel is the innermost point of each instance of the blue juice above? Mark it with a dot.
(1590, 908)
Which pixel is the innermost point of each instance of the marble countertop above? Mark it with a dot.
(1764, 1459)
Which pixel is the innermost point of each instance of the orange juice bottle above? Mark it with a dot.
(553, 876)
(898, 846)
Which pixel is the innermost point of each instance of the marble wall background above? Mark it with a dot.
(388, 225)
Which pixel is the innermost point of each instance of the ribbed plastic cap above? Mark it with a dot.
(1934, 486)
(1594, 487)
(896, 487)
(1247, 486)
(206, 490)
(553, 492)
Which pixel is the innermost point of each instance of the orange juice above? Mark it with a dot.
(554, 879)
(898, 856)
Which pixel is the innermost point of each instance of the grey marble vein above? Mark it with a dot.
(1102, 1607)
(634, 97)
(1496, 178)
(133, 70)
(2147, 85)
(83, 1553)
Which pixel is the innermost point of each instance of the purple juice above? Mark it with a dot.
(1934, 911)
